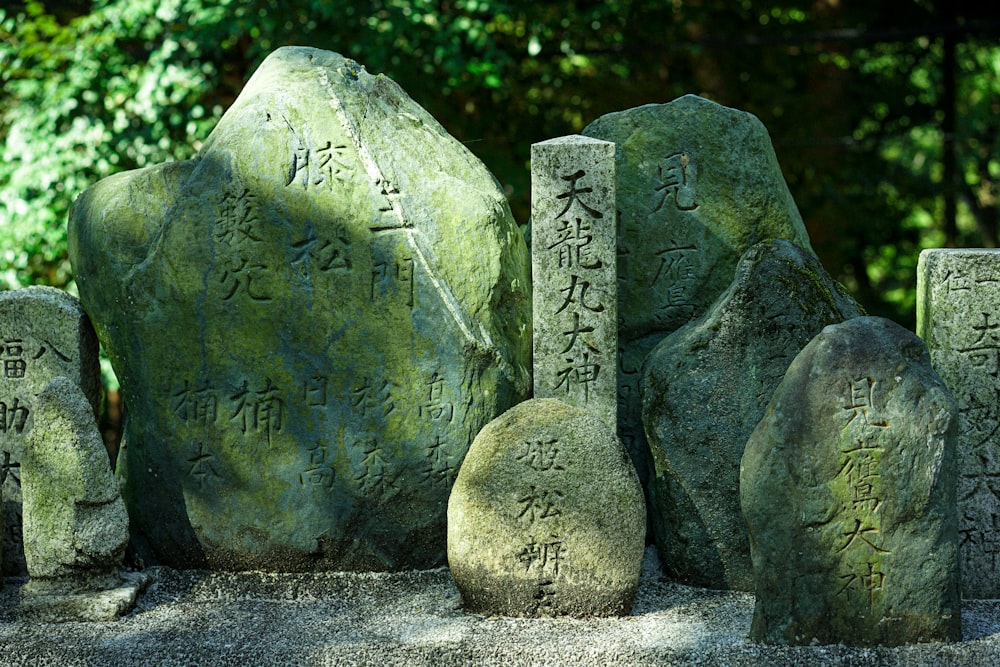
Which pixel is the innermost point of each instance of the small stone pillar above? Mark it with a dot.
(75, 523)
(958, 316)
(44, 333)
(574, 274)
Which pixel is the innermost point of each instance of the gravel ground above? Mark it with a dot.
(415, 618)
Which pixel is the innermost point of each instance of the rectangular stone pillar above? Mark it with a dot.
(574, 273)
(958, 316)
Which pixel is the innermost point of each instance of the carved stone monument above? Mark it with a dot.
(547, 516)
(311, 320)
(44, 334)
(573, 270)
(75, 523)
(705, 387)
(848, 489)
(697, 185)
(958, 316)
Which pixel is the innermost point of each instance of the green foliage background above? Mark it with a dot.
(884, 114)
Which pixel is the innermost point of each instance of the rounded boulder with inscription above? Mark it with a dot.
(547, 516)
(848, 489)
(310, 320)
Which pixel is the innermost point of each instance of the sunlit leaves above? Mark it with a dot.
(108, 90)
(850, 92)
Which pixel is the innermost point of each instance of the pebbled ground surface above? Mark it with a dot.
(416, 618)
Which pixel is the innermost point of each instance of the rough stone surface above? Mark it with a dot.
(57, 603)
(848, 488)
(75, 523)
(958, 316)
(44, 334)
(547, 516)
(310, 320)
(705, 387)
(575, 325)
(698, 185)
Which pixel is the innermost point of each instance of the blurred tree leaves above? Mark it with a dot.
(867, 103)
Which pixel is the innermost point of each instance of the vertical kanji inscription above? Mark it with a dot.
(958, 316)
(574, 263)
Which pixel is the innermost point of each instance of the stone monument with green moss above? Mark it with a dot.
(44, 334)
(697, 185)
(705, 387)
(848, 489)
(75, 524)
(547, 516)
(958, 304)
(575, 320)
(310, 320)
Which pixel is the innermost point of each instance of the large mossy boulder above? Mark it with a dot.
(705, 387)
(698, 184)
(310, 320)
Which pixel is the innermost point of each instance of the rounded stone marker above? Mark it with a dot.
(75, 523)
(546, 517)
(848, 489)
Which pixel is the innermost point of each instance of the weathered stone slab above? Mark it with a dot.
(698, 184)
(848, 489)
(573, 234)
(310, 321)
(705, 387)
(44, 334)
(958, 316)
(75, 523)
(547, 516)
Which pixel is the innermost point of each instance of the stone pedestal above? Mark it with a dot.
(92, 600)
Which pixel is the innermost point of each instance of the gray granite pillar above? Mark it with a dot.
(958, 316)
(574, 273)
